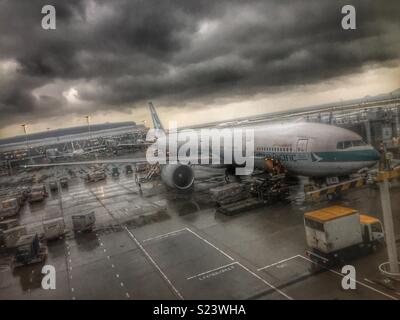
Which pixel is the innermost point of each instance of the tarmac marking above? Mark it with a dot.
(165, 235)
(175, 290)
(359, 282)
(209, 243)
(266, 282)
(212, 270)
(127, 295)
(279, 262)
(245, 268)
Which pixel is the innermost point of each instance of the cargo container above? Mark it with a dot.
(8, 224)
(11, 236)
(84, 222)
(9, 207)
(64, 182)
(38, 193)
(53, 185)
(141, 166)
(338, 233)
(95, 176)
(53, 228)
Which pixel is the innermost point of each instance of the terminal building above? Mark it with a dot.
(19, 149)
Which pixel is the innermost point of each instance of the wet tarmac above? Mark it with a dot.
(156, 244)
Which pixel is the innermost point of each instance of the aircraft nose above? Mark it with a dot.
(376, 155)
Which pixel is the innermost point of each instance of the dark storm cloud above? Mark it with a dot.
(116, 53)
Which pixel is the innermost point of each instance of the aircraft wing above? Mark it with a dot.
(107, 161)
(74, 163)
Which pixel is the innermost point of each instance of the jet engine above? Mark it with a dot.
(177, 176)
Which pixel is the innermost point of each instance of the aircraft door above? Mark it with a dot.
(302, 145)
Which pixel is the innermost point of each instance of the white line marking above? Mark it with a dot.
(216, 248)
(370, 281)
(122, 284)
(266, 282)
(279, 262)
(165, 235)
(127, 295)
(154, 263)
(203, 273)
(117, 275)
(112, 266)
(359, 282)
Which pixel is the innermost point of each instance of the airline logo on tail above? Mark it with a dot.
(154, 116)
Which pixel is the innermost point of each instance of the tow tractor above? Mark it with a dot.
(29, 250)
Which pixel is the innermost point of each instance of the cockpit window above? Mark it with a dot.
(358, 143)
(348, 144)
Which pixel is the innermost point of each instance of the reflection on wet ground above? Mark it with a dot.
(158, 244)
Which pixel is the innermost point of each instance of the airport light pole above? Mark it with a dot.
(24, 125)
(88, 123)
(390, 237)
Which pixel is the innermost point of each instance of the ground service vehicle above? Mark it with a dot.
(29, 250)
(115, 172)
(336, 233)
(128, 169)
(53, 186)
(64, 182)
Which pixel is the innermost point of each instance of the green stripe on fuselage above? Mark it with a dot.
(326, 156)
(345, 156)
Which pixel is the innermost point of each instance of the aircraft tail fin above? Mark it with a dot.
(154, 117)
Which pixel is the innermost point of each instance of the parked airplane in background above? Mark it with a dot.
(304, 149)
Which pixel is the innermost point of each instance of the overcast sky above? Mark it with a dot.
(197, 60)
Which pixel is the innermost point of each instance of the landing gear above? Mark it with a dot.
(231, 171)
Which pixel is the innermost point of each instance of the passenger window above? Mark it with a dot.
(340, 145)
(376, 227)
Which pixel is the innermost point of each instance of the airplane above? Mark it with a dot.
(305, 149)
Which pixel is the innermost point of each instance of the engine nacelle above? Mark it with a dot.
(177, 176)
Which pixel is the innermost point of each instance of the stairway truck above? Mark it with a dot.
(336, 234)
